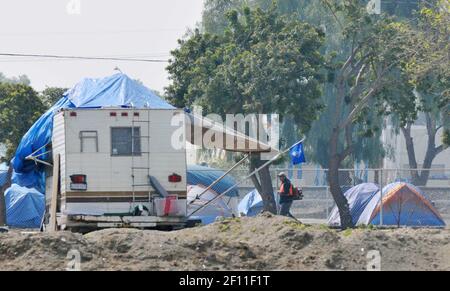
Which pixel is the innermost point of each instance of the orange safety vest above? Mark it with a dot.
(291, 190)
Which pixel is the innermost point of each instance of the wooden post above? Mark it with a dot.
(52, 226)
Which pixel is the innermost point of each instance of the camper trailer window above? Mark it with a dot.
(121, 141)
(88, 141)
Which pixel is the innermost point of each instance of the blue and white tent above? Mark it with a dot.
(29, 178)
(400, 204)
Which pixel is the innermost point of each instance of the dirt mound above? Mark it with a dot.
(263, 243)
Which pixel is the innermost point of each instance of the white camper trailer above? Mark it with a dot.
(117, 168)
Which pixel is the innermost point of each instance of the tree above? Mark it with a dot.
(214, 15)
(262, 63)
(51, 95)
(426, 77)
(20, 106)
(375, 50)
(22, 79)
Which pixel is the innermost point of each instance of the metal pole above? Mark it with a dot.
(220, 179)
(245, 178)
(381, 197)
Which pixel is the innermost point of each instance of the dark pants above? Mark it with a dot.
(285, 209)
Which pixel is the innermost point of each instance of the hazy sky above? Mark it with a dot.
(104, 28)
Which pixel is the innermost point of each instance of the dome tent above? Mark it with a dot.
(403, 205)
(114, 91)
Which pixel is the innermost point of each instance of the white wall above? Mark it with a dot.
(107, 173)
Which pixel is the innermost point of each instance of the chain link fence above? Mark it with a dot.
(318, 201)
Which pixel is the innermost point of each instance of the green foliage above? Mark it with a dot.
(263, 63)
(51, 95)
(22, 79)
(20, 106)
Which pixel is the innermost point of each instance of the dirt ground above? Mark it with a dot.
(263, 243)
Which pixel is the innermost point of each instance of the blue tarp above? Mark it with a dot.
(205, 176)
(24, 207)
(251, 205)
(403, 205)
(117, 90)
(3, 176)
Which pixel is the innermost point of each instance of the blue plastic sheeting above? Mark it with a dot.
(251, 205)
(24, 207)
(115, 91)
(204, 176)
(403, 205)
(358, 197)
(3, 176)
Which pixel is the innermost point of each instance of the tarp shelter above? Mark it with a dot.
(198, 179)
(251, 205)
(29, 177)
(403, 205)
(24, 207)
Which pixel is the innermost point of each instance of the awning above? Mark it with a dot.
(206, 133)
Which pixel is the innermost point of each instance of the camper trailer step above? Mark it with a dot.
(140, 168)
(141, 121)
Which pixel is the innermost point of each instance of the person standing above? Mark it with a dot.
(286, 193)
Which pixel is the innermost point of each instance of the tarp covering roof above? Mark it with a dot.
(403, 205)
(114, 91)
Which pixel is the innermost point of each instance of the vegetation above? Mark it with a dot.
(263, 63)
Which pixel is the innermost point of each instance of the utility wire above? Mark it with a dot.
(84, 58)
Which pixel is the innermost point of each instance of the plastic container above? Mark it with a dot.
(170, 207)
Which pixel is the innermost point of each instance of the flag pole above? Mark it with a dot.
(247, 177)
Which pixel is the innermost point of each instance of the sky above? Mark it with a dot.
(96, 28)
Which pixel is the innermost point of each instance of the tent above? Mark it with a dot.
(251, 205)
(403, 205)
(28, 177)
(205, 176)
(198, 179)
(24, 207)
(211, 212)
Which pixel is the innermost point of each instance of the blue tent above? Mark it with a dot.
(251, 205)
(402, 205)
(117, 90)
(205, 176)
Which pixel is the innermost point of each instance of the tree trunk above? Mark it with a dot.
(2, 197)
(421, 178)
(264, 186)
(335, 187)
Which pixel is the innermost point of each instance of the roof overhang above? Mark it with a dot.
(206, 133)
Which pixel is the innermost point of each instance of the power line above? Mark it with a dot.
(84, 58)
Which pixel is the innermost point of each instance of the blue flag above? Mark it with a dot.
(297, 154)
